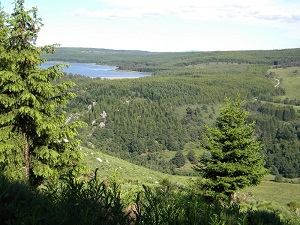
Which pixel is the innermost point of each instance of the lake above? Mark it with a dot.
(97, 71)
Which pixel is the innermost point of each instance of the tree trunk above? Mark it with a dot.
(26, 154)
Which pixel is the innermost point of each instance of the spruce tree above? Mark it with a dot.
(236, 158)
(178, 159)
(35, 140)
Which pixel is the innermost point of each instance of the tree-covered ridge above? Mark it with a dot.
(278, 128)
(189, 85)
(155, 62)
(165, 112)
(167, 94)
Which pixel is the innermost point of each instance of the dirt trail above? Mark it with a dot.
(278, 82)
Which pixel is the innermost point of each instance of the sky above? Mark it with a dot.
(168, 25)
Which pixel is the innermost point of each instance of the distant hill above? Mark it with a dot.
(144, 61)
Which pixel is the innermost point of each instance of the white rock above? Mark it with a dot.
(103, 114)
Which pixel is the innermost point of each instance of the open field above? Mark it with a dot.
(126, 171)
(290, 81)
(280, 193)
(134, 176)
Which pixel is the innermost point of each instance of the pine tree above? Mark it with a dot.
(35, 140)
(191, 157)
(178, 159)
(236, 160)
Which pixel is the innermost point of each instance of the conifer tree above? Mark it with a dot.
(178, 159)
(35, 140)
(236, 159)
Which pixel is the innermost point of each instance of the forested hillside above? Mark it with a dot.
(157, 62)
(49, 176)
(140, 119)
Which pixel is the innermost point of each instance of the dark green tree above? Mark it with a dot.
(191, 157)
(236, 160)
(178, 159)
(36, 142)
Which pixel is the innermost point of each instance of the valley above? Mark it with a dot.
(211, 137)
(165, 112)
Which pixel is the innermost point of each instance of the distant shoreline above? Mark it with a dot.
(94, 70)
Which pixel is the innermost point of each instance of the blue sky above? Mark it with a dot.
(168, 25)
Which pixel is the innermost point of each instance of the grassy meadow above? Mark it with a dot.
(132, 177)
(125, 171)
(290, 81)
(279, 193)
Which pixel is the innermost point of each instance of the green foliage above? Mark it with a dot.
(178, 160)
(146, 115)
(187, 80)
(191, 157)
(169, 109)
(99, 202)
(71, 202)
(183, 206)
(236, 159)
(278, 178)
(279, 136)
(33, 129)
(92, 202)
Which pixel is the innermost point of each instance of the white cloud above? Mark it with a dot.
(114, 13)
(254, 11)
(163, 25)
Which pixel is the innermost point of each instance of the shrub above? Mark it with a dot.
(278, 178)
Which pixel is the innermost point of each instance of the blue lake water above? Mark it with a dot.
(97, 71)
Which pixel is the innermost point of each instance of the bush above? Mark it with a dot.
(278, 178)
(71, 202)
(22, 204)
(191, 157)
(99, 202)
(92, 202)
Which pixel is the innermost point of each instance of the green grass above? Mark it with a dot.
(268, 194)
(278, 193)
(268, 190)
(290, 77)
(125, 171)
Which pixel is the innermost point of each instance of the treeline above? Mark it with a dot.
(157, 62)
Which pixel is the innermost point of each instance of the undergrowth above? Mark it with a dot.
(76, 201)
